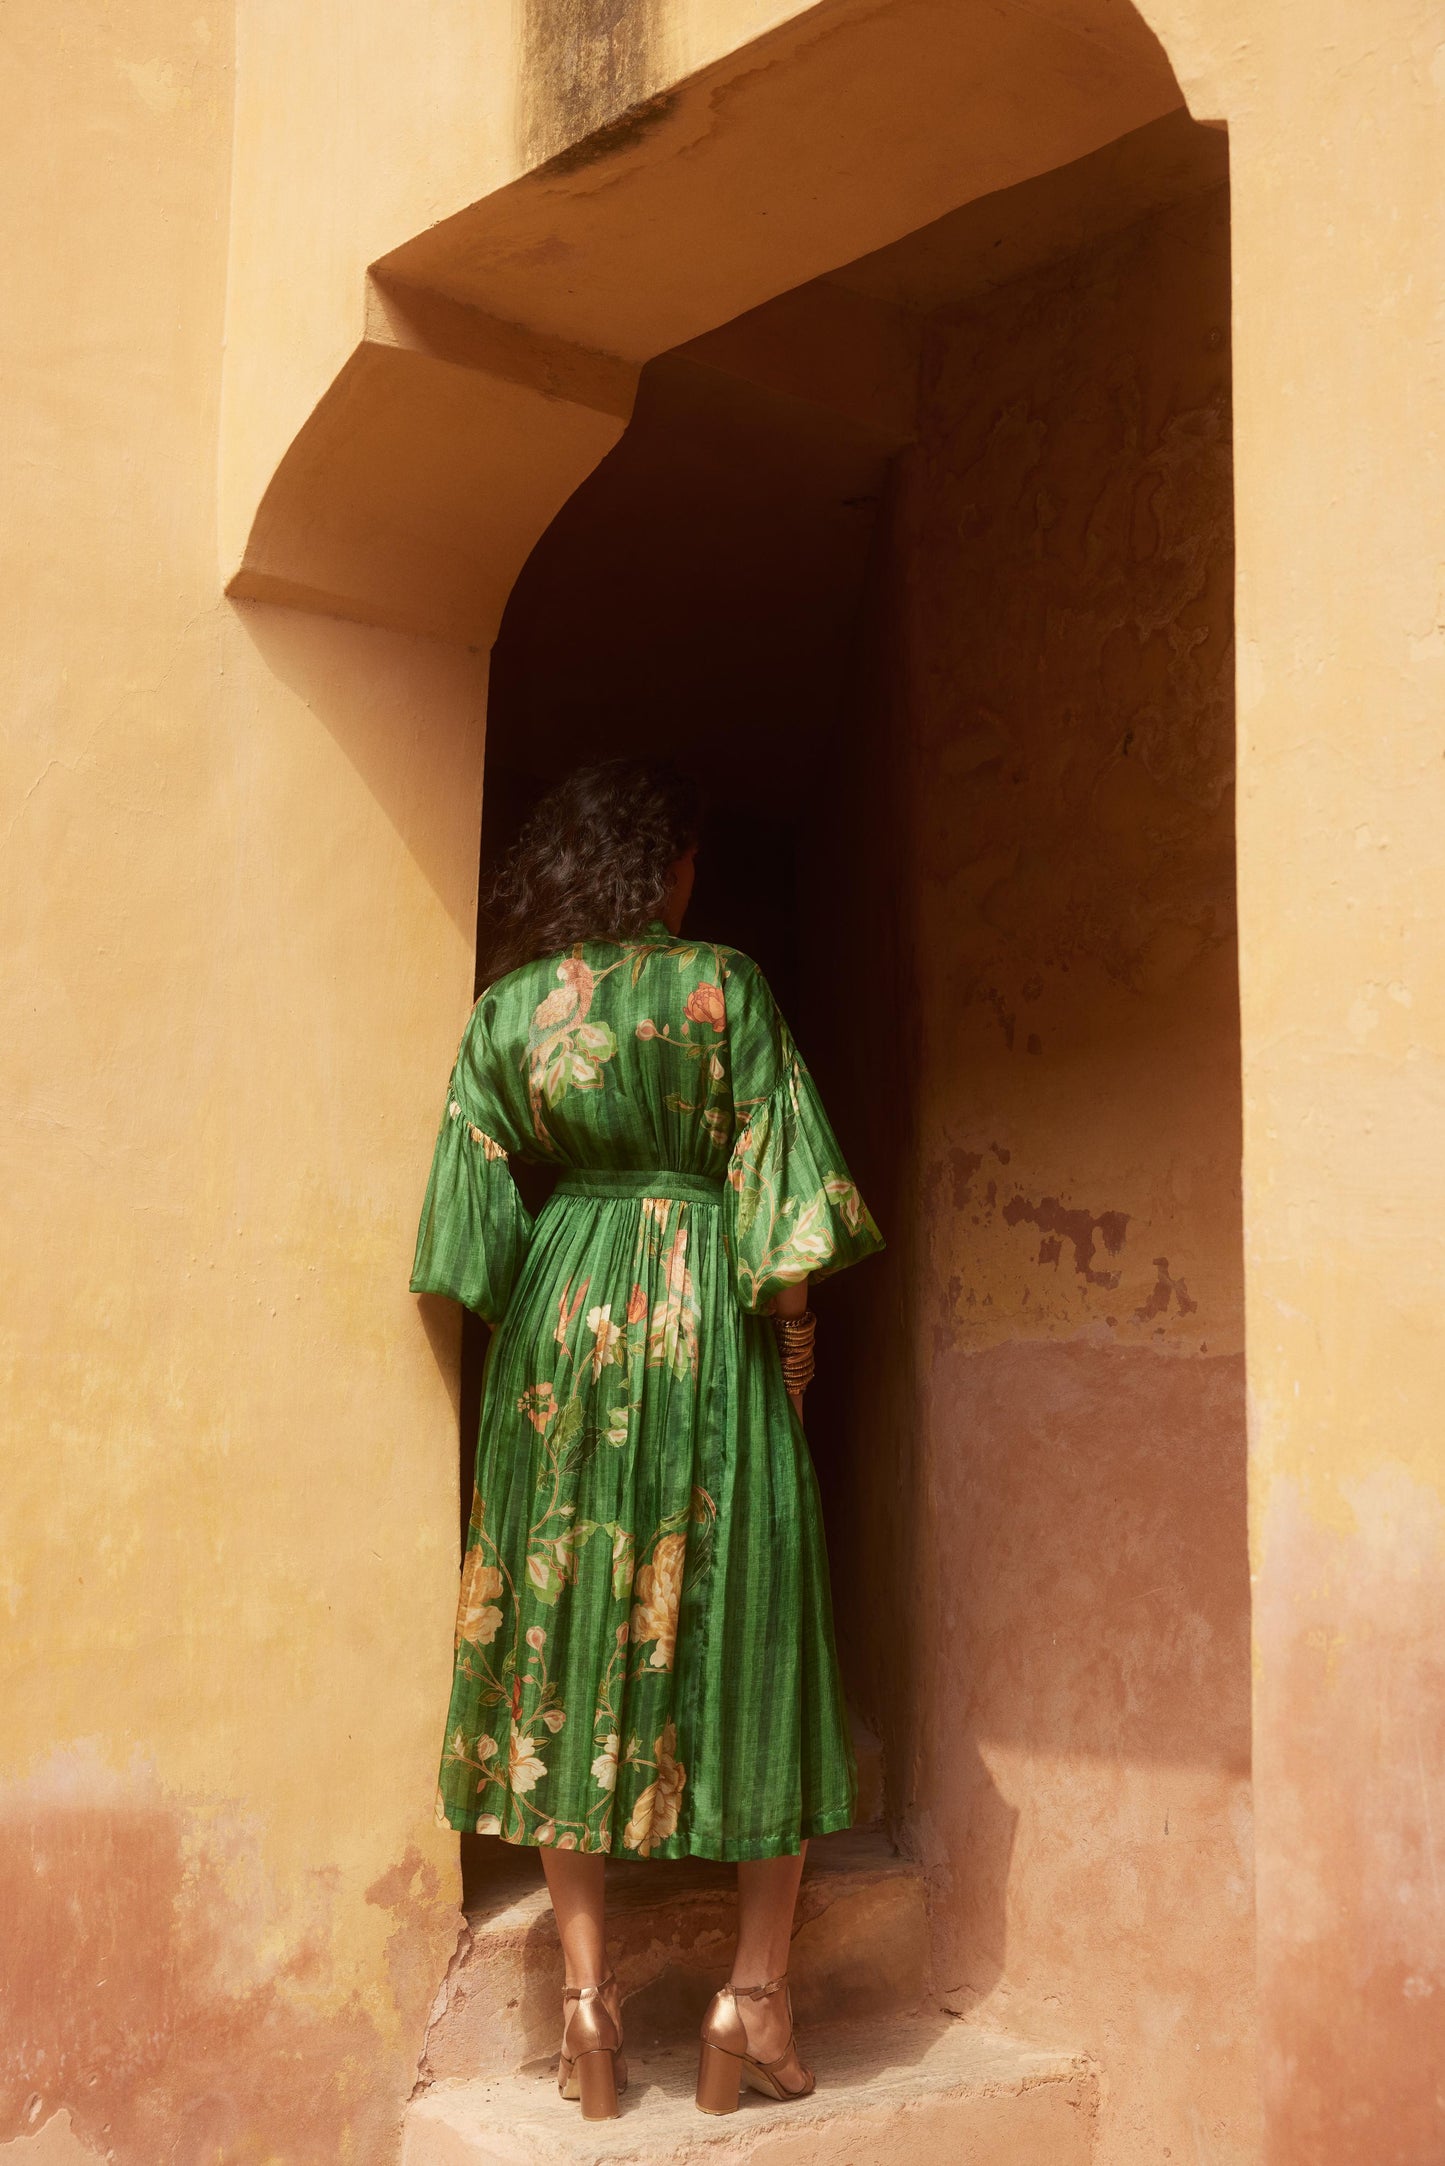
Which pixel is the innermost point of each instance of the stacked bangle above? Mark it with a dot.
(795, 1346)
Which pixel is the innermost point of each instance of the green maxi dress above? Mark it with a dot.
(644, 1645)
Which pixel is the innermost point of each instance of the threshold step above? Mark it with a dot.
(919, 2091)
(860, 1948)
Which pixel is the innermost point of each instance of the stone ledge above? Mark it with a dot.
(919, 2091)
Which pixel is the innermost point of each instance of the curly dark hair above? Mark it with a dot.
(592, 861)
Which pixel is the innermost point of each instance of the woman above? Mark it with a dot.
(644, 1648)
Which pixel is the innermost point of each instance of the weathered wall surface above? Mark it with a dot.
(237, 895)
(1066, 1693)
(1340, 374)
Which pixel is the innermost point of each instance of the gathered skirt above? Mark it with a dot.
(644, 1651)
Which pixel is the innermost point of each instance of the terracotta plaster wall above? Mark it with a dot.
(1067, 1697)
(238, 913)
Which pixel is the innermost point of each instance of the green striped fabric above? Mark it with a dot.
(644, 1647)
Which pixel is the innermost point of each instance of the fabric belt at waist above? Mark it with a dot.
(661, 1181)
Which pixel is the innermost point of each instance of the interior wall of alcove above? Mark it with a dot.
(1042, 1556)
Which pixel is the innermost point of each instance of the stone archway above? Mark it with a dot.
(1037, 702)
(501, 346)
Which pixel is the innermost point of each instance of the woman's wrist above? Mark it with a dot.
(795, 1335)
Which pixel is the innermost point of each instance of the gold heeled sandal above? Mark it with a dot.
(726, 2064)
(592, 2066)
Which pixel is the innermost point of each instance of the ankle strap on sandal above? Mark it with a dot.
(758, 1992)
(592, 1992)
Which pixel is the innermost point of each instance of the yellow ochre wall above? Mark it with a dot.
(238, 882)
(238, 885)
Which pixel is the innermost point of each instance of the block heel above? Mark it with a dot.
(597, 2082)
(592, 2068)
(719, 2080)
(726, 2063)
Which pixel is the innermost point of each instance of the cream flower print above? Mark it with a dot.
(604, 1767)
(607, 1345)
(659, 1595)
(655, 1815)
(525, 1767)
(478, 1618)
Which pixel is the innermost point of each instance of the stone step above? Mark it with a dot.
(916, 2091)
(860, 1949)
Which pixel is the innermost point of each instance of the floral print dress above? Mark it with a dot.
(644, 1644)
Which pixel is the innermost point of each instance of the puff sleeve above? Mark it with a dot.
(792, 1208)
(475, 1229)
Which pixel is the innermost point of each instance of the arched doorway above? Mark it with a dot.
(925, 566)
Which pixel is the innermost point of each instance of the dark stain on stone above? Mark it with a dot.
(620, 134)
(1162, 1292)
(1035, 1043)
(962, 1166)
(1081, 1229)
(588, 77)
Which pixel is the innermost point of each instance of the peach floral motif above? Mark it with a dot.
(705, 1004)
(478, 1618)
(655, 1815)
(659, 1596)
(539, 1403)
(636, 1305)
(567, 1309)
(489, 1824)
